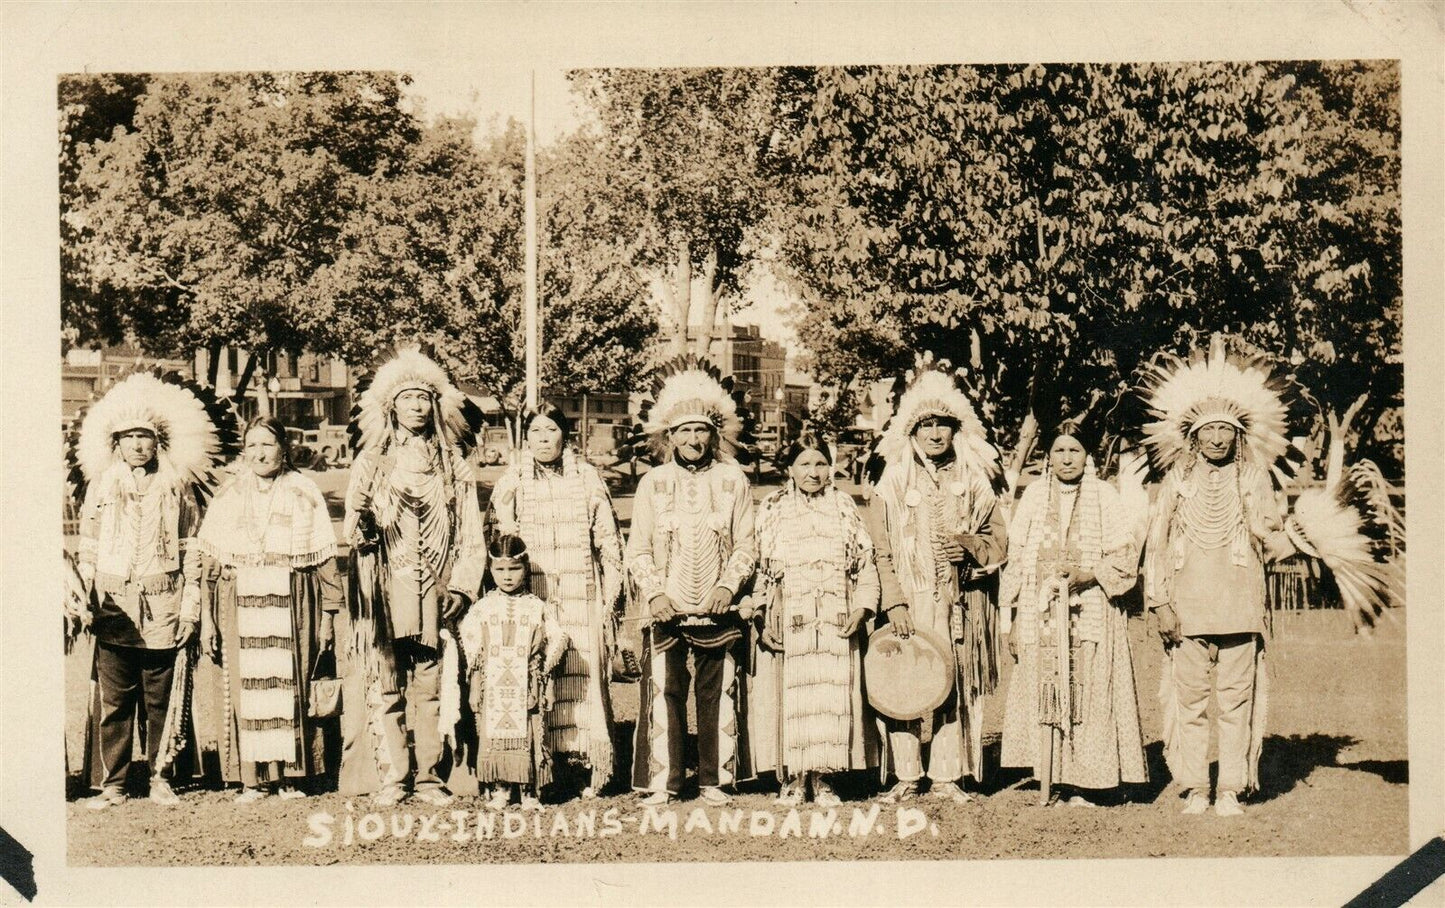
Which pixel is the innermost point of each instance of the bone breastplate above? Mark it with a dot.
(697, 552)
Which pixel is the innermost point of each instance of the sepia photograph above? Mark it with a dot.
(850, 464)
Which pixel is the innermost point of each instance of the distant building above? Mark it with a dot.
(309, 390)
(759, 368)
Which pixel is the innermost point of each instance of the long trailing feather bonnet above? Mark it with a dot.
(195, 432)
(690, 389)
(1334, 524)
(457, 419)
(1329, 523)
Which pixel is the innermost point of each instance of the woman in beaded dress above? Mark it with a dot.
(557, 502)
(268, 556)
(1073, 539)
(817, 584)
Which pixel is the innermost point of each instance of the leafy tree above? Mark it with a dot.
(1343, 312)
(433, 254)
(208, 221)
(685, 144)
(598, 323)
(1053, 225)
(310, 211)
(92, 108)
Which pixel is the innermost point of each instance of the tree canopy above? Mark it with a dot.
(1050, 226)
(685, 147)
(291, 211)
(1055, 225)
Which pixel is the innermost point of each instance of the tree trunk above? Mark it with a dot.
(584, 425)
(238, 392)
(213, 364)
(1028, 435)
(704, 345)
(677, 290)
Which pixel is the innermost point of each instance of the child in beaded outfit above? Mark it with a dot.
(510, 641)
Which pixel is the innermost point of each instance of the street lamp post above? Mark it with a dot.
(267, 389)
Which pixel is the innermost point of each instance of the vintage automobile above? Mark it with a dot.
(493, 445)
(851, 453)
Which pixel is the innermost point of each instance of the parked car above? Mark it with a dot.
(851, 454)
(329, 444)
(604, 441)
(302, 454)
(768, 442)
(494, 444)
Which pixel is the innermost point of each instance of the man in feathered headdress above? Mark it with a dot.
(145, 452)
(691, 549)
(414, 521)
(1219, 427)
(940, 540)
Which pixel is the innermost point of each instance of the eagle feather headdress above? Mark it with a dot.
(1216, 386)
(690, 389)
(1339, 525)
(934, 388)
(458, 418)
(195, 432)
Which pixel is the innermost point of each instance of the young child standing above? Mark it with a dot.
(510, 642)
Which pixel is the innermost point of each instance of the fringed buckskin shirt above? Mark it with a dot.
(146, 569)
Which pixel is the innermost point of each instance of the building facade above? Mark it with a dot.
(759, 367)
(306, 391)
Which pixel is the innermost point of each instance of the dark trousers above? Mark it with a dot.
(130, 675)
(709, 667)
(413, 704)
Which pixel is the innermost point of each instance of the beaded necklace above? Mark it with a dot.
(1211, 509)
(255, 517)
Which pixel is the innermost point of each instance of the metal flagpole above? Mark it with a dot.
(530, 291)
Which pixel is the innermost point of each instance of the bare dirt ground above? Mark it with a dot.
(1334, 771)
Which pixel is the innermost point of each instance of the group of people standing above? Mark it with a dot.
(475, 646)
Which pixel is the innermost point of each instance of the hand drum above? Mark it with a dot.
(907, 678)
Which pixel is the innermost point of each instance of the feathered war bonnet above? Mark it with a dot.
(456, 418)
(1335, 525)
(1181, 396)
(933, 388)
(195, 433)
(688, 390)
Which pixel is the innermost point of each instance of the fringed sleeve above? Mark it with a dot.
(187, 523)
(1266, 521)
(320, 537)
(866, 586)
(1117, 569)
(1011, 579)
(550, 640)
(744, 557)
(90, 519)
(358, 495)
(864, 569)
(1158, 572)
(470, 563)
(606, 540)
(641, 563)
(502, 512)
(989, 546)
(890, 593)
